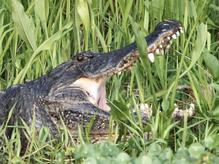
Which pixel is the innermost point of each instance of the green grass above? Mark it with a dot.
(36, 36)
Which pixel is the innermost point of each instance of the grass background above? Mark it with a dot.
(37, 35)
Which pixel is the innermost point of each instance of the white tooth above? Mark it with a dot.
(178, 33)
(168, 38)
(157, 51)
(161, 46)
(181, 30)
(192, 106)
(151, 57)
(162, 41)
(119, 73)
(162, 52)
(168, 46)
(174, 36)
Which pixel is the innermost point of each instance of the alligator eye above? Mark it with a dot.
(84, 56)
(81, 58)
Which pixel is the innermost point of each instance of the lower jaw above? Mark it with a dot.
(104, 107)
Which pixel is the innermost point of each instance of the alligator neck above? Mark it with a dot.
(40, 87)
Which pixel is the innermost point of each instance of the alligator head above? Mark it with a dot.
(88, 71)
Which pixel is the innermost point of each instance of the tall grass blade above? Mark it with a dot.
(199, 46)
(212, 63)
(83, 13)
(46, 45)
(42, 10)
(23, 24)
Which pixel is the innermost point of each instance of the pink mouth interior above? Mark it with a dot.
(95, 90)
(102, 102)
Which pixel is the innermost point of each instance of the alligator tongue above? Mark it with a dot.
(102, 102)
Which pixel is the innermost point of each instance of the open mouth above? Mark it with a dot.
(95, 88)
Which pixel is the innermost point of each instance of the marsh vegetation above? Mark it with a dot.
(38, 35)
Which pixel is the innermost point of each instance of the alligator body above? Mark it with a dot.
(75, 90)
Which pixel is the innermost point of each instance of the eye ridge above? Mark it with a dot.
(83, 56)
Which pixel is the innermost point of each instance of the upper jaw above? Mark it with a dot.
(107, 64)
(161, 39)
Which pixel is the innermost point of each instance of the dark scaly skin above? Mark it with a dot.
(52, 95)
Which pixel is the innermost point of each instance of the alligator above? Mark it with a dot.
(74, 91)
